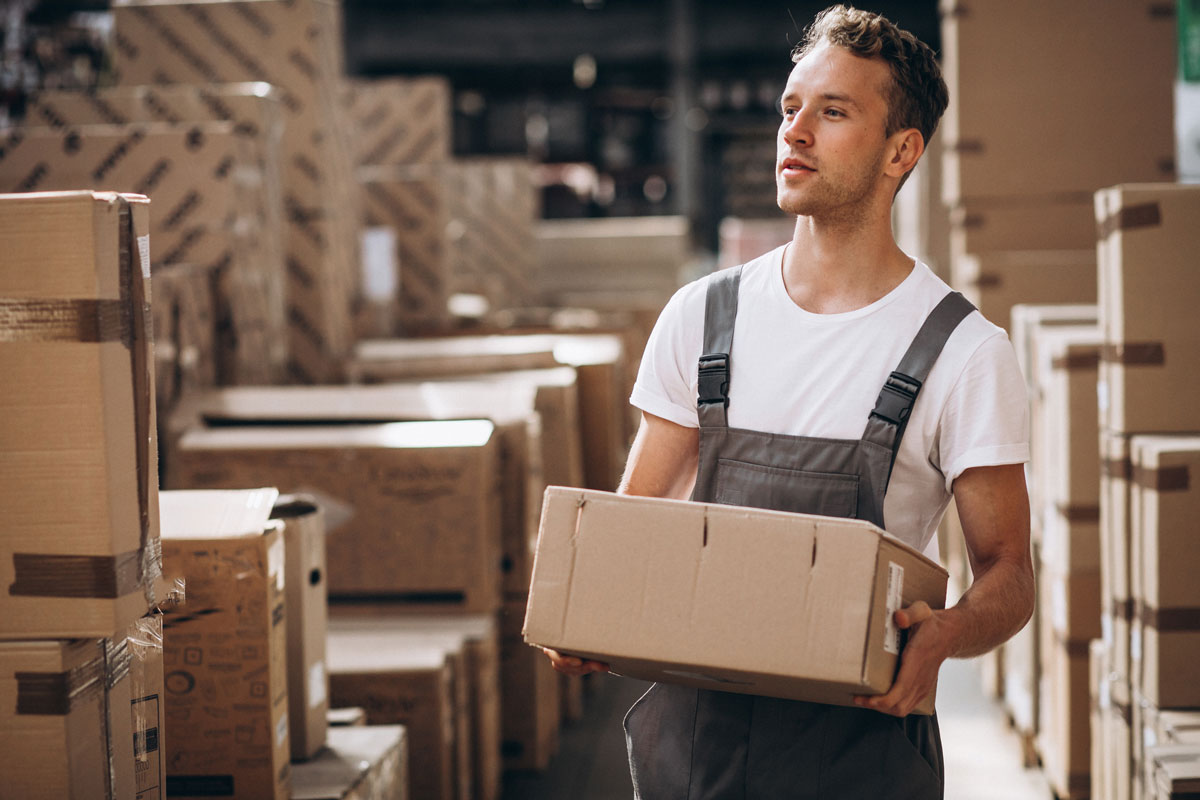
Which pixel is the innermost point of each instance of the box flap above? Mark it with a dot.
(215, 514)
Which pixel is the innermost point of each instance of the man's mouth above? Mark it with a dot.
(794, 166)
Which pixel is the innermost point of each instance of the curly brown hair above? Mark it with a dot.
(918, 96)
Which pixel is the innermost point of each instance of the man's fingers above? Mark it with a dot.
(916, 613)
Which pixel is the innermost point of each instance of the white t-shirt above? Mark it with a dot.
(804, 374)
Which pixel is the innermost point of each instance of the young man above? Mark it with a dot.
(837, 376)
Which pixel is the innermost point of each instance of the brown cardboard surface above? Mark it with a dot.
(1148, 289)
(1070, 603)
(148, 707)
(225, 648)
(1031, 223)
(1116, 471)
(1073, 68)
(399, 120)
(1026, 319)
(1165, 502)
(997, 281)
(412, 507)
(711, 589)
(530, 696)
(185, 333)
(476, 636)
(296, 47)
(1021, 672)
(1101, 763)
(511, 406)
(305, 578)
(412, 686)
(79, 416)
(358, 763)
(66, 729)
(1065, 732)
(1176, 770)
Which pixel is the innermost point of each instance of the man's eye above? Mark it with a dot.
(833, 112)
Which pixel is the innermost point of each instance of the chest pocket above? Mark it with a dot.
(740, 483)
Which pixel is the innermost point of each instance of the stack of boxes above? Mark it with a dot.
(80, 661)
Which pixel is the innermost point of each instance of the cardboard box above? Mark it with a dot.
(305, 579)
(1072, 68)
(473, 642)
(599, 360)
(225, 648)
(296, 47)
(351, 716)
(1116, 596)
(1065, 732)
(1021, 673)
(509, 406)
(412, 508)
(530, 696)
(1031, 223)
(1165, 504)
(1148, 288)
(79, 416)
(920, 222)
(399, 120)
(185, 333)
(1026, 319)
(1101, 763)
(250, 275)
(712, 587)
(147, 707)
(997, 281)
(1176, 771)
(410, 686)
(358, 763)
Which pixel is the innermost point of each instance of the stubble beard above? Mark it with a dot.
(844, 198)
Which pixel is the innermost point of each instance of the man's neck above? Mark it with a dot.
(834, 266)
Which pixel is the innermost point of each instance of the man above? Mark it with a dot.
(761, 386)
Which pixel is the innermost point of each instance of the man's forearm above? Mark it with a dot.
(998, 604)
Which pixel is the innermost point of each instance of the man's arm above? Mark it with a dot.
(662, 463)
(994, 507)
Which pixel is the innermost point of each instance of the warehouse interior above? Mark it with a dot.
(304, 304)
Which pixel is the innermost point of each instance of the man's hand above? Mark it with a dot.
(572, 665)
(927, 647)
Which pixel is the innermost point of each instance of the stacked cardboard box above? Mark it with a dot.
(1148, 433)
(225, 648)
(296, 47)
(360, 763)
(399, 120)
(245, 254)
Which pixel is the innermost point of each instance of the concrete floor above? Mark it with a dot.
(983, 756)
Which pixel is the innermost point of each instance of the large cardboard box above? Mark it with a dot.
(530, 696)
(79, 549)
(1024, 222)
(997, 281)
(920, 221)
(1165, 505)
(1101, 696)
(1176, 771)
(511, 407)
(247, 258)
(412, 507)
(68, 725)
(1148, 289)
(477, 638)
(185, 333)
(1065, 731)
(399, 120)
(225, 648)
(1026, 319)
(147, 707)
(412, 686)
(1116, 596)
(1074, 68)
(358, 763)
(296, 47)
(725, 597)
(305, 579)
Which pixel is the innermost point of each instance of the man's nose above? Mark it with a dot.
(798, 129)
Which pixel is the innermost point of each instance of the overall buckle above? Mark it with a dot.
(713, 384)
(896, 398)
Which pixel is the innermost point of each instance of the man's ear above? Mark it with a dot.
(906, 147)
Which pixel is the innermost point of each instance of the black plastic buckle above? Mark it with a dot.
(896, 398)
(713, 384)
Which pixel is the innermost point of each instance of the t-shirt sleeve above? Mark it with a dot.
(985, 421)
(666, 381)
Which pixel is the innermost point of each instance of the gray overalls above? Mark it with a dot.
(689, 744)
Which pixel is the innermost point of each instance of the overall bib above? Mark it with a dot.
(696, 744)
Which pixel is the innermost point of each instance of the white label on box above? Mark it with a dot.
(895, 591)
(380, 273)
(1105, 693)
(316, 684)
(143, 245)
(1135, 644)
(281, 730)
(1106, 631)
(1102, 395)
(1058, 605)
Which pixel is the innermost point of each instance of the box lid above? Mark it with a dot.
(216, 514)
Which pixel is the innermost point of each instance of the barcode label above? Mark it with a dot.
(895, 592)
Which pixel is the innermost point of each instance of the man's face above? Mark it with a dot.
(830, 147)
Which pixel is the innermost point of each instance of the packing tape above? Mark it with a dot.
(1079, 513)
(1142, 215)
(1134, 353)
(55, 575)
(1169, 620)
(989, 280)
(1162, 479)
(82, 320)
(973, 147)
(56, 693)
(1117, 468)
(1086, 360)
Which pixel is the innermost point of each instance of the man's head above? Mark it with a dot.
(917, 96)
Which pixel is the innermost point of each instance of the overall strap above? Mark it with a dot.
(889, 418)
(720, 310)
